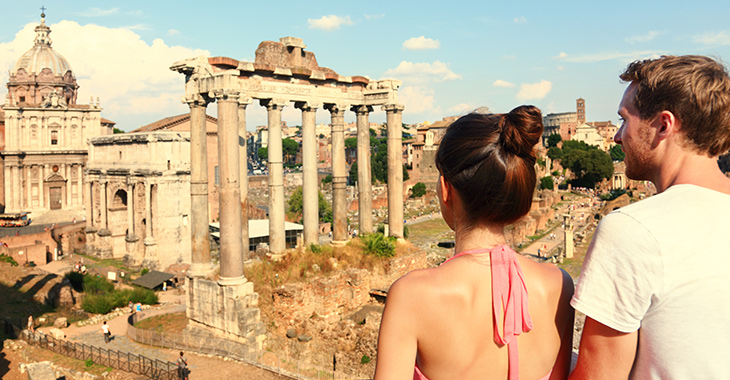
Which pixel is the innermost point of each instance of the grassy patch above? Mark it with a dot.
(170, 323)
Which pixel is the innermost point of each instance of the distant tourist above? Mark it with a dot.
(654, 284)
(182, 366)
(31, 324)
(462, 319)
(106, 332)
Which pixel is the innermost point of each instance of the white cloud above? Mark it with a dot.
(508, 57)
(643, 38)
(422, 72)
(136, 27)
(460, 109)
(418, 100)
(610, 56)
(173, 32)
(519, 20)
(561, 55)
(534, 91)
(421, 43)
(502, 83)
(98, 12)
(713, 38)
(331, 22)
(131, 78)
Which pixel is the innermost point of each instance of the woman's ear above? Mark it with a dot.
(445, 190)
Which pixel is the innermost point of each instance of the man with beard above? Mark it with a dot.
(654, 285)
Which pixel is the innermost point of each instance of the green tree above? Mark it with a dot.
(264, 153)
(327, 179)
(553, 140)
(554, 152)
(590, 167)
(418, 190)
(296, 201)
(617, 154)
(117, 130)
(289, 148)
(547, 183)
(351, 143)
(353, 173)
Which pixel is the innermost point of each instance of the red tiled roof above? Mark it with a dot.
(107, 121)
(170, 122)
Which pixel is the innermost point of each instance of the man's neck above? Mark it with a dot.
(692, 169)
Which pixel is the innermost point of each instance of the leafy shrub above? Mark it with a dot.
(8, 259)
(378, 245)
(98, 304)
(76, 279)
(97, 285)
(315, 248)
(547, 183)
(144, 271)
(418, 190)
(327, 179)
(365, 359)
(88, 363)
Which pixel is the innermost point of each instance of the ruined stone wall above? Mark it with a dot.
(342, 293)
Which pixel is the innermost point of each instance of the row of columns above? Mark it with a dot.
(19, 190)
(233, 178)
(102, 225)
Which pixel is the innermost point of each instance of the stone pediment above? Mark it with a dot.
(55, 177)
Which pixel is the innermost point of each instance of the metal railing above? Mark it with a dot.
(139, 364)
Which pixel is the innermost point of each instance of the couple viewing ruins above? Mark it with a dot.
(653, 285)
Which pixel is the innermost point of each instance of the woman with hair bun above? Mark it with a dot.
(471, 317)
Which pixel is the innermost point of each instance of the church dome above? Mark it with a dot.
(42, 56)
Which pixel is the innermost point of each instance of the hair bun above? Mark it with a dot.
(521, 130)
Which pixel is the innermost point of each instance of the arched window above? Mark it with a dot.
(120, 199)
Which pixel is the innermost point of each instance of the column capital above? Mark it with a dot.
(273, 104)
(244, 101)
(193, 100)
(393, 108)
(362, 110)
(225, 94)
(308, 106)
(336, 108)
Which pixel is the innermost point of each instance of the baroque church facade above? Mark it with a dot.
(46, 132)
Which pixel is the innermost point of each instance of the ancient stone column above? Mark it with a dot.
(310, 204)
(149, 239)
(67, 173)
(200, 245)
(339, 176)
(102, 207)
(364, 175)
(231, 250)
(88, 204)
(277, 232)
(130, 211)
(394, 114)
(243, 170)
(568, 236)
(28, 182)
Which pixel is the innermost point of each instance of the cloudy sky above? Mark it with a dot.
(451, 56)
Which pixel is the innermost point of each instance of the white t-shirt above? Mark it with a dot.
(662, 266)
(105, 329)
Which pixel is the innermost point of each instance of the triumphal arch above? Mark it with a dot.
(283, 74)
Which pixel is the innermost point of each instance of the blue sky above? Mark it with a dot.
(451, 56)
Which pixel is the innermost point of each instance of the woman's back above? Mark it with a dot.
(454, 317)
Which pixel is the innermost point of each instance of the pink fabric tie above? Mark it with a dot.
(509, 293)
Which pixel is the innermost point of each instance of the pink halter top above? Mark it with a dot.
(509, 293)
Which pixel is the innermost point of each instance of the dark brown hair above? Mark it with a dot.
(490, 161)
(696, 89)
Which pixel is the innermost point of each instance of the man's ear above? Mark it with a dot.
(667, 124)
